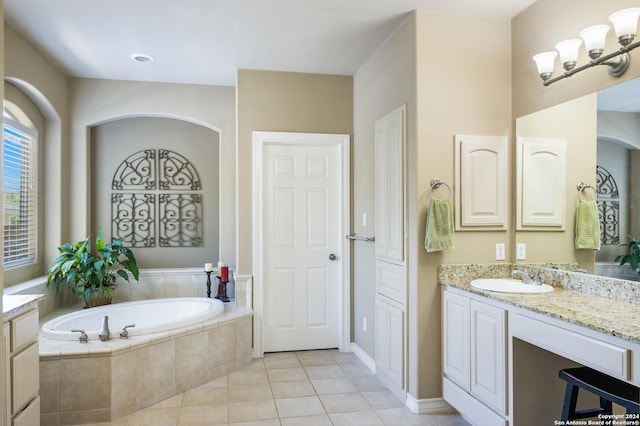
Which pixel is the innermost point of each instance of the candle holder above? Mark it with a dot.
(222, 290)
(208, 283)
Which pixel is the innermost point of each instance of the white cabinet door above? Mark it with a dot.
(390, 341)
(456, 339)
(7, 373)
(488, 355)
(389, 185)
(25, 377)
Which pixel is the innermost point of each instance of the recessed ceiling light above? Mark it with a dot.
(141, 57)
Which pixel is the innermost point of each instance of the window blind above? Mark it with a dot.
(20, 203)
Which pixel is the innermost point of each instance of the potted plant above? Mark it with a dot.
(92, 276)
(633, 257)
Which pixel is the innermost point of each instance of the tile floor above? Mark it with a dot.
(290, 388)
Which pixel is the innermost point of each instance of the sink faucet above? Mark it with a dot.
(526, 279)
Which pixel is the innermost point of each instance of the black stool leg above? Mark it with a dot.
(606, 406)
(570, 400)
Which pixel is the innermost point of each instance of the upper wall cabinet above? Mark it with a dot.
(541, 183)
(389, 185)
(482, 182)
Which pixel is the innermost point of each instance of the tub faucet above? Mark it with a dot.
(104, 331)
(124, 334)
(526, 279)
(83, 335)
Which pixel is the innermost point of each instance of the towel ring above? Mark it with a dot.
(435, 183)
(581, 186)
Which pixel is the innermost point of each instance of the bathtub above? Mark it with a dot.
(149, 316)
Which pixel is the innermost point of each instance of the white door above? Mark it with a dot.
(302, 244)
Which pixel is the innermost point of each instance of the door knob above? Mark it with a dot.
(332, 256)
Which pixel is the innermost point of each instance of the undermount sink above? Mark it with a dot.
(508, 285)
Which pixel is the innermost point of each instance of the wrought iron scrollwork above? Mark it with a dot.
(608, 206)
(177, 216)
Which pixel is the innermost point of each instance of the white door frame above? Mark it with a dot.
(260, 139)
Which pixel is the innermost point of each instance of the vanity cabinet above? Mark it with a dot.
(390, 340)
(23, 371)
(474, 358)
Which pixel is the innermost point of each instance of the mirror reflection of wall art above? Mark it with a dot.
(165, 203)
(609, 206)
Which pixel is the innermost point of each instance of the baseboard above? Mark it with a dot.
(428, 406)
(364, 357)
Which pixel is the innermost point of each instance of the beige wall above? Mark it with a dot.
(386, 81)
(283, 102)
(99, 101)
(47, 87)
(463, 88)
(469, 93)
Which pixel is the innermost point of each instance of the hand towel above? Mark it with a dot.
(587, 225)
(439, 234)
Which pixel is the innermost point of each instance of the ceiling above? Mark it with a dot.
(206, 41)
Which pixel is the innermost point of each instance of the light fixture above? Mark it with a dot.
(142, 57)
(625, 23)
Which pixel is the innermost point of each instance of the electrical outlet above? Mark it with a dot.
(500, 251)
(521, 251)
(364, 324)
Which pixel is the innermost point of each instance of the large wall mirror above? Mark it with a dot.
(602, 134)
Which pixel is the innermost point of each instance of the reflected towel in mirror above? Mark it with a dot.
(439, 232)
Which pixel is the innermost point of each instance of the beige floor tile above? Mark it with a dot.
(403, 417)
(367, 383)
(292, 389)
(175, 401)
(248, 377)
(311, 359)
(252, 410)
(242, 393)
(324, 372)
(270, 422)
(297, 407)
(337, 385)
(205, 395)
(204, 415)
(256, 364)
(281, 360)
(286, 374)
(344, 402)
(155, 417)
(320, 420)
(382, 399)
(449, 419)
(347, 358)
(362, 418)
(356, 370)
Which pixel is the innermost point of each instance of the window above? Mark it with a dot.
(20, 192)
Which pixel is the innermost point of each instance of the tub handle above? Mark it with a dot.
(83, 335)
(124, 334)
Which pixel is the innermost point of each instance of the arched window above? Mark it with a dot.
(20, 141)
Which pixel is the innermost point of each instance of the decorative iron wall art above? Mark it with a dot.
(172, 210)
(608, 206)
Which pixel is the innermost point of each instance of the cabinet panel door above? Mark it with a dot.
(456, 339)
(24, 330)
(30, 416)
(396, 344)
(391, 281)
(25, 377)
(382, 333)
(488, 354)
(7, 363)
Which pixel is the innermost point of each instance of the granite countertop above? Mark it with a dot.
(603, 314)
(14, 305)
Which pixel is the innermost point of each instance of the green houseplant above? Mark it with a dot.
(633, 257)
(92, 276)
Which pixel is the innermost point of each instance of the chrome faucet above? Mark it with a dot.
(104, 333)
(124, 334)
(526, 279)
(83, 335)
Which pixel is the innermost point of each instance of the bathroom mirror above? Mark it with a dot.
(602, 131)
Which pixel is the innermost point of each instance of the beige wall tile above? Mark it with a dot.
(85, 416)
(49, 386)
(222, 344)
(124, 378)
(156, 367)
(85, 384)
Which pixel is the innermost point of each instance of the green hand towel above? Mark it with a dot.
(439, 233)
(587, 225)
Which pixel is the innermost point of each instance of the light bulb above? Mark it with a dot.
(568, 50)
(625, 22)
(594, 38)
(545, 62)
